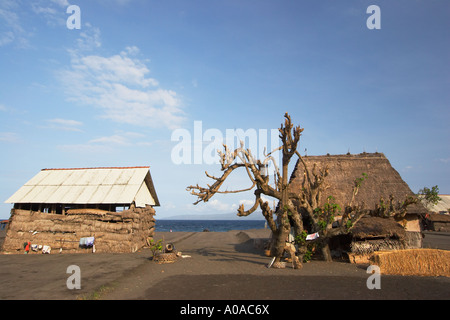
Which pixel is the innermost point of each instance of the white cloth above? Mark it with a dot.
(312, 236)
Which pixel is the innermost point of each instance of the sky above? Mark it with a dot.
(140, 80)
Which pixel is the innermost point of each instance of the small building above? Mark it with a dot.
(112, 207)
(439, 222)
(372, 234)
(442, 206)
(382, 181)
(439, 217)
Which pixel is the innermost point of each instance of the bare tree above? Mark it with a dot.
(287, 213)
(293, 205)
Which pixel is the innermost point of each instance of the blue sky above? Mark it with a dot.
(113, 92)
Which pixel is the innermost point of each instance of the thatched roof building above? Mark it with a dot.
(59, 208)
(375, 228)
(382, 181)
(372, 234)
(439, 222)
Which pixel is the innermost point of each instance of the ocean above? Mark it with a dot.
(210, 225)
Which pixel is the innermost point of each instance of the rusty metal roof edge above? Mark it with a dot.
(94, 168)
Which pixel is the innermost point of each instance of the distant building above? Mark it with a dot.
(3, 227)
(60, 207)
(439, 217)
(443, 205)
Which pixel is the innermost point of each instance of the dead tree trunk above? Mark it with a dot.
(286, 212)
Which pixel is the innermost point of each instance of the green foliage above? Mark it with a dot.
(325, 215)
(309, 248)
(308, 254)
(300, 239)
(349, 224)
(155, 246)
(359, 181)
(429, 196)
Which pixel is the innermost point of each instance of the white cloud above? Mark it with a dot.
(108, 143)
(118, 68)
(85, 148)
(11, 27)
(66, 122)
(63, 124)
(43, 10)
(54, 16)
(247, 203)
(213, 206)
(121, 88)
(11, 110)
(89, 39)
(111, 140)
(61, 3)
(9, 137)
(14, 28)
(217, 205)
(408, 168)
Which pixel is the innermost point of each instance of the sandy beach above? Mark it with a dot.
(217, 266)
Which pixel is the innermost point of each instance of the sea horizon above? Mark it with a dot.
(200, 225)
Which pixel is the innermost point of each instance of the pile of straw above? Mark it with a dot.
(367, 247)
(413, 262)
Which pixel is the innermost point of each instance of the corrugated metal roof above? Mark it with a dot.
(110, 185)
(443, 205)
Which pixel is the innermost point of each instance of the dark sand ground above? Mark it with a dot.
(221, 266)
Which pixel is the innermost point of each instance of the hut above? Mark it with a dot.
(438, 218)
(372, 234)
(439, 222)
(382, 181)
(108, 209)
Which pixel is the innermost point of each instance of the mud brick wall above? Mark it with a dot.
(125, 231)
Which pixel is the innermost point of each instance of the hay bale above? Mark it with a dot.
(367, 247)
(359, 258)
(413, 262)
(87, 211)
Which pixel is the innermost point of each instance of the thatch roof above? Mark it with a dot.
(375, 227)
(382, 179)
(439, 217)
